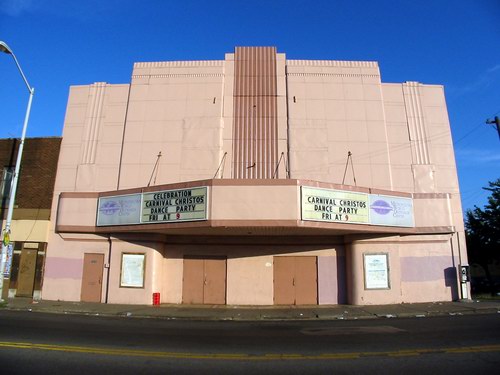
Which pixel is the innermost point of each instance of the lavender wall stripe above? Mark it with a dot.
(421, 269)
(327, 280)
(331, 280)
(63, 268)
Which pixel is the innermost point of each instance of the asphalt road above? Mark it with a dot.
(36, 343)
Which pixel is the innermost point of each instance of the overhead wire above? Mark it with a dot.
(399, 147)
(474, 129)
(475, 195)
(371, 154)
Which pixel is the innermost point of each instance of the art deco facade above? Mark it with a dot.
(256, 180)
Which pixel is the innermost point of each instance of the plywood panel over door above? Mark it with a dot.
(27, 267)
(93, 265)
(295, 281)
(284, 288)
(204, 280)
(306, 281)
(214, 291)
(193, 279)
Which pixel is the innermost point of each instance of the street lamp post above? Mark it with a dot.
(6, 232)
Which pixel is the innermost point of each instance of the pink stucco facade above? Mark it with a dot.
(293, 159)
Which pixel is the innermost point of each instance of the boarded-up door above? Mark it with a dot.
(204, 280)
(192, 284)
(26, 278)
(295, 281)
(93, 265)
(214, 291)
(284, 288)
(306, 281)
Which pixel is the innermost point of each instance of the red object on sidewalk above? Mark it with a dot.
(156, 299)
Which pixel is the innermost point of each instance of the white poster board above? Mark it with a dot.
(376, 267)
(132, 271)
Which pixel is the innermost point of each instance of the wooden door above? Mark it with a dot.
(26, 278)
(284, 289)
(214, 290)
(204, 280)
(193, 279)
(295, 281)
(93, 265)
(306, 283)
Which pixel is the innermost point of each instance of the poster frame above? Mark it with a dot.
(370, 284)
(140, 283)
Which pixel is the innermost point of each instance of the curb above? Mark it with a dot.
(256, 313)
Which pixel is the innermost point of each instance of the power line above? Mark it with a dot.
(473, 130)
(372, 154)
(399, 147)
(469, 133)
(496, 124)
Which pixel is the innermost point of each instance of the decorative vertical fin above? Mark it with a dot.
(93, 119)
(255, 135)
(416, 123)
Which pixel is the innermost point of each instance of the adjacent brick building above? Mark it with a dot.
(32, 210)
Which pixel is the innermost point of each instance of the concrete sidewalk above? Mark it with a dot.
(256, 313)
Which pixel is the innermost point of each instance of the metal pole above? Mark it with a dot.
(13, 190)
(495, 122)
(15, 179)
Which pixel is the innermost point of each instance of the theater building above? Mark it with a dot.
(256, 180)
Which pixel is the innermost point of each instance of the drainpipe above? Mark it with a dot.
(108, 266)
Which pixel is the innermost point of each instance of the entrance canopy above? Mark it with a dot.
(270, 207)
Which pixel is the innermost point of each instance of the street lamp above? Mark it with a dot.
(6, 232)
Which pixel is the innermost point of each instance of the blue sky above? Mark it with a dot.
(455, 43)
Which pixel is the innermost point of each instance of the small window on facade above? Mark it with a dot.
(6, 185)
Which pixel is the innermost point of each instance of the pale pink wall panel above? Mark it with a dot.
(429, 268)
(327, 283)
(331, 280)
(63, 268)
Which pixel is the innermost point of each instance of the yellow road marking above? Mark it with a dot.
(244, 357)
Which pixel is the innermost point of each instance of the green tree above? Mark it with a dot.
(482, 228)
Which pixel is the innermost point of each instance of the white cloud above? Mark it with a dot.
(15, 8)
(475, 156)
(494, 69)
(81, 10)
(483, 81)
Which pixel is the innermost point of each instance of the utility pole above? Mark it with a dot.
(15, 177)
(496, 123)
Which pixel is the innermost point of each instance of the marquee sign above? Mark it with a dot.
(153, 207)
(392, 211)
(334, 206)
(338, 206)
(119, 210)
(174, 205)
